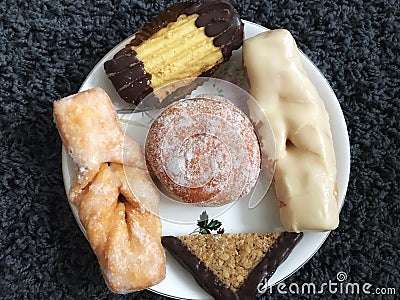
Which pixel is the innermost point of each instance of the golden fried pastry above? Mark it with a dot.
(91, 133)
(232, 266)
(124, 235)
(184, 41)
(204, 151)
(305, 176)
(116, 199)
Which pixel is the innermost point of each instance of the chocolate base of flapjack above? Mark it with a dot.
(278, 252)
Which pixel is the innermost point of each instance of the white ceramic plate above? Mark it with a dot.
(239, 218)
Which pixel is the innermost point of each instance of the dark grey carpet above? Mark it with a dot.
(47, 48)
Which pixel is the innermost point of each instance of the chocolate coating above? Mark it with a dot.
(211, 283)
(221, 22)
(128, 75)
(268, 265)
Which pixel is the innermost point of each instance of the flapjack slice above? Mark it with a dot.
(232, 266)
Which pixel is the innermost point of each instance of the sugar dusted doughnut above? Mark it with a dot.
(204, 151)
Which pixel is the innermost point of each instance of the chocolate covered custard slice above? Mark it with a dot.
(231, 266)
(184, 41)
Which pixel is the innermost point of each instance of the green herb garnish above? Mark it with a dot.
(206, 227)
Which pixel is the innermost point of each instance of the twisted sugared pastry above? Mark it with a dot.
(116, 199)
(123, 233)
(204, 151)
(184, 41)
(90, 131)
(305, 176)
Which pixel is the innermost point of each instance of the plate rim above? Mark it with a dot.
(345, 140)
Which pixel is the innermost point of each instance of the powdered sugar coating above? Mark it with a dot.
(204, 151)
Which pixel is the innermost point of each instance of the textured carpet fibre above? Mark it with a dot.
(47, 48)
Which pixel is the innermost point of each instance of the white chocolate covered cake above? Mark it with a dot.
(305, 176)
